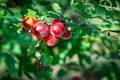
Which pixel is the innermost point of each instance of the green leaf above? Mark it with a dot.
(104, 78)
(109, 14)
(52, 14)
(30, 12)
(84, 56)
(12, 65)
(2, 12)
(76, 33)
(47, 60)
(57, 8)
(31, 50)
(88, 59)
(28, 74)
(117, 9)
(72, 2)
(48, 74)
(87, 29)
(12, 46)
(61, 73)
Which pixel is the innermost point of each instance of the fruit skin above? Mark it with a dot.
(67, 34)
(89, 77)
(41, 30)
(34, 36)
(54, 21)
(50, 40)
(9, 5)
(28, 22)
(76, 78)
(57, 29)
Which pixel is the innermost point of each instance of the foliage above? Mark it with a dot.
(93, 50)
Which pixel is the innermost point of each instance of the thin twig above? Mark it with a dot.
(105, 6)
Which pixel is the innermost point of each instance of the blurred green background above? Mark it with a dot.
(92, 53)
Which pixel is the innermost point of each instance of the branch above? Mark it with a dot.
(90, 27)
(110, 7)
(77, 68)
(115, 31)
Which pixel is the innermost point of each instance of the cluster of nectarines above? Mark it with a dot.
(50, 34)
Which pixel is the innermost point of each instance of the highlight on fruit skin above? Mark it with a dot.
(57, 29)
(41, 30)
(28, 22)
